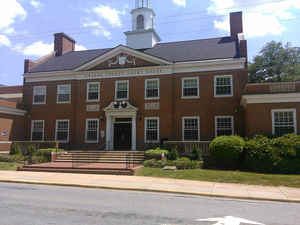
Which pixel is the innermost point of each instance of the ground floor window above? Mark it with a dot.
(152, 130)
(284, 121)
(92, 131)
(37, 130)
(191, 128)
(224, 125)
(62, 130)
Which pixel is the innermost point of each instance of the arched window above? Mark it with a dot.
(140, 22)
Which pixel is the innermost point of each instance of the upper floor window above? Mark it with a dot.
(224, 125)
(93, 91)
(63, 93)
(223, 86)
(121, 90)
(92, 131)
(37, 130)
(152, 89)
(191, 128)
(284, 121)
(190, 87)
(62, 130)
(39, 95)
(152, 130)
(140, 22)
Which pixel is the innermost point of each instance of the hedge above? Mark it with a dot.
(181, 164)
(156, 153)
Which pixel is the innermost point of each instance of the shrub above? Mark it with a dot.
(226, 151)
(182, 163)
(11, 158)
(196, 154)
(173, 154)
(155, 153)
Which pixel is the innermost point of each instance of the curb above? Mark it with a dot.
(151, 190)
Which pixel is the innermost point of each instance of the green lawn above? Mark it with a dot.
(9, 165)
(224, 176)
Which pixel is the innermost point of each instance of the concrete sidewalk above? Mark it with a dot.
(212, 189)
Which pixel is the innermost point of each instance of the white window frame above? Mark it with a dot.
(57, 121)
(145, 130)
(224, 117)
(39, 103)
(284, 110)
(158, 85)
(87, 92)
(182, 87)
(86, 129)
(215, 86)
(32, 122)
(116, 89)
(190, 117)
(57, 93)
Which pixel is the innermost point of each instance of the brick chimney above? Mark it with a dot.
(236, 24)
(63, 43)
(28, 64)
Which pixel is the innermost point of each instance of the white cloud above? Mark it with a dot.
(4, 41)
(97, 29)
(180, 2)
(260, 18)
(40, 49)
(10, 10)
(36, 4)
(111, 15)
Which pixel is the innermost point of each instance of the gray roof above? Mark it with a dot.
(195, 50)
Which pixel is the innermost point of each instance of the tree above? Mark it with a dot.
(274, 63)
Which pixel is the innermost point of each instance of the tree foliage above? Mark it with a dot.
(275, 63)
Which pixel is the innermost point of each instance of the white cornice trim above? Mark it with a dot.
(12, 111)
(270, 98)
(8, 96)
(116, 51)
(183, 67)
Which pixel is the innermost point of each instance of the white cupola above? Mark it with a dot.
(143, 34)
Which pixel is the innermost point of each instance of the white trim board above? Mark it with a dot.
(9, 96)
(12, 111)
(270, 98)
(185, 67)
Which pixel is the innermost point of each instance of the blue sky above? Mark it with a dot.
(27, 26)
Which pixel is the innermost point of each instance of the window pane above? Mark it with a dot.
(62, 130)
(152, 130)
(63, 98)
(92, 130)
(37, 130)
(284, 123)
(122, 90)
(191, 130)
(39, 94)
(190, 87)
(223, 86)
(224, 126)
(93, 91)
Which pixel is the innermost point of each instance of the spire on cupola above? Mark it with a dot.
(143, 34)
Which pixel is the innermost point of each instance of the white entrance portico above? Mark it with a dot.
(115, 113)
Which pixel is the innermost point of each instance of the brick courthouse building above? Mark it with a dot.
(144, 92)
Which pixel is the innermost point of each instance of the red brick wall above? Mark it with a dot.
(172, 107)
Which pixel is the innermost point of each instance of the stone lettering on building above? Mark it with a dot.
(152, 106)
(92, 108)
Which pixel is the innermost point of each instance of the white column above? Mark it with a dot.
(133, 135)
(108, 132)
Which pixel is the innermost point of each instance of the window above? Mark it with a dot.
(121, 91)
(191, 126)
(190, 87)
(152, 130)
(62, 130)
(37, 130)
(140, 22)
(39, 95)
(152, 89)
(92, 131)
(224, 125)
(93, 92)
(63, 93)
(223, 86)
(284, 121)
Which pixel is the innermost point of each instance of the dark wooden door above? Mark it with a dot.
(122, 136)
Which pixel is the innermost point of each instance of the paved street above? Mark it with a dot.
(42, 205)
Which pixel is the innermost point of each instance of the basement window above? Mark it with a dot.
(152, 130)
(93, 92)
(223, 86)
(37, 130)
(191, 128)
(190, 87)
(92, 131)
(62, 130)
(39, 95)
(64, 93)
(224, 125)
(284, 121)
